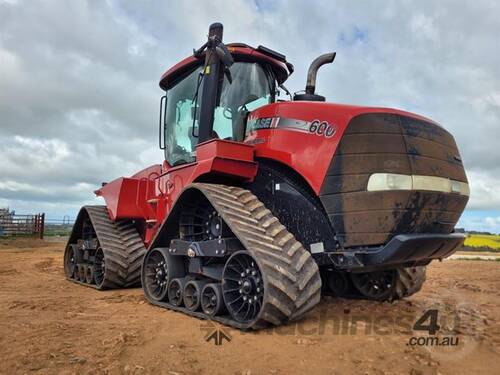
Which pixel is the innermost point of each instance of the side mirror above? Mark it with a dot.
(226, 58)
(224, 55)
(162, 122)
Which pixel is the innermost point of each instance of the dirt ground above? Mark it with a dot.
(50, 325)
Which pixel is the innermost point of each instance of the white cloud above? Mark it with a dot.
(43, 150)
(13, 186)
(492, 222)
(423, 26)
(79, 80)
(485, 190)
(480, 223)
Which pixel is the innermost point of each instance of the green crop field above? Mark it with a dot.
(483, 240)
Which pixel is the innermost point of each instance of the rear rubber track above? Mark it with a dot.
(122, 246)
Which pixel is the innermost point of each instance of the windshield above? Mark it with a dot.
(252, 87)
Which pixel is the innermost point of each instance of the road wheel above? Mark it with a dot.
(388, 285)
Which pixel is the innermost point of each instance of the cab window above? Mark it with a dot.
(252, 87)
(180, 137)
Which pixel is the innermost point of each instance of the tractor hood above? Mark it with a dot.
(378, 172)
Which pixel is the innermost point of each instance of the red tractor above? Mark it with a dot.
(263, 204)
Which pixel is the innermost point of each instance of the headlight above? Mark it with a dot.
(392, 181)
(389, 181)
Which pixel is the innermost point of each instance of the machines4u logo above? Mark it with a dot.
(215, 334)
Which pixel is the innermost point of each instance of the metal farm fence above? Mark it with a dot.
(22, 225)
(58, 227)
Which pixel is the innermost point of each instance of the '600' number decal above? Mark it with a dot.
(322, 128)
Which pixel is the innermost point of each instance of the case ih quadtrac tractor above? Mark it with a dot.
(263, 204)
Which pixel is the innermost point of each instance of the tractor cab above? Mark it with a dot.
(207, 97)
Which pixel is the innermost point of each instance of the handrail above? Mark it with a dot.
(137, 194)
(159, 185)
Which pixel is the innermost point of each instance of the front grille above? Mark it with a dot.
(391, 143)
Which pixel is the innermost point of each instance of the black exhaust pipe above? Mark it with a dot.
(318, 62)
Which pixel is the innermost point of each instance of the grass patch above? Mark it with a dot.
(57, 230)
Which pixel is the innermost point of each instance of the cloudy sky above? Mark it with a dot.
(79, 81)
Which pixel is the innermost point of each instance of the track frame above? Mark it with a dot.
(292, 283)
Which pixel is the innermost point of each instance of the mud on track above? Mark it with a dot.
(50, 325)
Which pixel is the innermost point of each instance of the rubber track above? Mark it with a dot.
(409, 280)
(122, 246)
(292, 284)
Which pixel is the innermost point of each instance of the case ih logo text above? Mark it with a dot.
(316, 127)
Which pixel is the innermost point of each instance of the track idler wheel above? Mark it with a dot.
(212, 302)
(175, 291)
(338, 283)
(159, 269)
(390, 285)
(242, 287)
(99, 267)
(378, 285)
(70, 266)
(192, 294)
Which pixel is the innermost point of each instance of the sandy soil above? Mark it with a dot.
(49, 325)
(477, 253)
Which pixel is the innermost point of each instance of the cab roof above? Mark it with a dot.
(240, 52)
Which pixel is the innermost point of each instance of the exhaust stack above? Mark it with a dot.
(317, 63)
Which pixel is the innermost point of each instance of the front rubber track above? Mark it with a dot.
(291, 276)
(122, 246)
